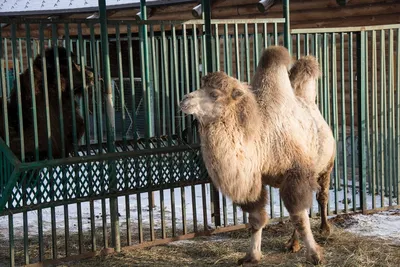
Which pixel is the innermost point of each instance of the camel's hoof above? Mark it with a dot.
(293, 246)
(250, 259)
(316, 257)
(325, 230)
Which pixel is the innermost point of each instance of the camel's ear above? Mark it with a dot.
(236, 93)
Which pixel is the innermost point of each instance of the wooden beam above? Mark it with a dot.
(235, 11)
(342, 2)
(354, 21)
(174, 8)
(183, 15)
(232, 3)
(124, 13)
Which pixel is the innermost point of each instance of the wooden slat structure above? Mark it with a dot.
(303, 14)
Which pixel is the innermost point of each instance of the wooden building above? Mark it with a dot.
(303, 14)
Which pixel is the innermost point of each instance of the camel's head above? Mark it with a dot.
(218, 94)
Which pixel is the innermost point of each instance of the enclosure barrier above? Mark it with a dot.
(58, 209)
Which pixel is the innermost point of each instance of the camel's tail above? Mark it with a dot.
(303, 74)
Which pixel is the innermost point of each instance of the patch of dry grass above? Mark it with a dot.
(341, 248)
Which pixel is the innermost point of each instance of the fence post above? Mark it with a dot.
(110, 118)
(207, 27)
(361, 108)
(286, 32)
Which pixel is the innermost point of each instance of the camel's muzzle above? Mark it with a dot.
(186, 105)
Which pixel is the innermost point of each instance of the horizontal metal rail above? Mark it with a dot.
(108, 156)
(21, 20)
(345, 29)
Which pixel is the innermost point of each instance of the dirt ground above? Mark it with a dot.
(341, 248)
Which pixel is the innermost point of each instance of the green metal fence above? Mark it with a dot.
(150, 185)
(359, 97)
(136, 177)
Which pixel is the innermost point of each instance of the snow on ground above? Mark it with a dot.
(384, 225)
(178, 198)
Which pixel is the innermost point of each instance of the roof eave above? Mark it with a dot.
(91, 9)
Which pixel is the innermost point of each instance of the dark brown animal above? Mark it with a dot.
(48, 131)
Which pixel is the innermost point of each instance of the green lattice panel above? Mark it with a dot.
(91, 180)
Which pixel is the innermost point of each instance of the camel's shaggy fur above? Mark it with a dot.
(38, 92)
(265, 135)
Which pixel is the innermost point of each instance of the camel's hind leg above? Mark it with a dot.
(302, 225)
(258, 219)
(322, 198)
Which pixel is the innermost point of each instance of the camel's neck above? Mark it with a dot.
(230, 154)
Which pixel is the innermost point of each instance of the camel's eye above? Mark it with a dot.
(214, 95)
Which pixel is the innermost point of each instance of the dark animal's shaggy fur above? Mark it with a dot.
(67, 100)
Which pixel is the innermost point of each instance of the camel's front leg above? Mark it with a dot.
(258, 219)
(302, 224)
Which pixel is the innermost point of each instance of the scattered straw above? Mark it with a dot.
(341, 248)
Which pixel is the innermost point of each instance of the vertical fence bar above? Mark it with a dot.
(362, 130)
(206, 4)
(175, 74)
(247, 49)
(173, 211)
(286, 15)
(352, 123)
(183, 205)
(383, 118)
(217, 48)
(265, 32)
(334, 115)
(255, 47)
(71, 90)
(111, 123)
(298, 51)
(391, 154)
(81, 55)
(343, 111)
(204, 206)
(44, 67)
(194, 207)
(398, 116)
(35, 126)
(18, 88)
(11, 238)
(382, 111)
(175, 97)
(7, 65)
(164, 57)
(153, 122)
(196, 83)
(156, 85)
(4, 92)
(61, 125)
(375, 143)
(367, 110)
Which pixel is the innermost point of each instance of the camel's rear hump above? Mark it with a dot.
(303, 77)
